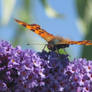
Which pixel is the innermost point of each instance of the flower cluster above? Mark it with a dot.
(55, 73)
(20, 70)
(79, 76)
(65, 76)
(27, 71)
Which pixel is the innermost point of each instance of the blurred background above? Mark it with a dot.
(71, 19)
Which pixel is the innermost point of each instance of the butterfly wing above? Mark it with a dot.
(84, 42)
(36, 29)
(70, 42)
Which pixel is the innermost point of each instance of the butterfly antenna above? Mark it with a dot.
(36, 44)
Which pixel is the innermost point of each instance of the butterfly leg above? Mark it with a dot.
(44, 47)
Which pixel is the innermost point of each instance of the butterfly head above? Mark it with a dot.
(56, 44)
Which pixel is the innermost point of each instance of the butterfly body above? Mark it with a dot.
(54, 42)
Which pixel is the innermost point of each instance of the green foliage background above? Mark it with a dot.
(84, 9)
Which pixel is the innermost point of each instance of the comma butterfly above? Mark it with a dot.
(54, 42)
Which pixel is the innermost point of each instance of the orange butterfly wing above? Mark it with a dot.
(70, 42)
(36, 29)
(84, 42)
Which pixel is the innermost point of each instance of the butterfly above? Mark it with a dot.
(54, 42)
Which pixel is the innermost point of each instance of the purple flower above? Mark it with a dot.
(28, 71)
(79, 76)
(20, 70)
(65, 76)
(55, 76)
(7, 74)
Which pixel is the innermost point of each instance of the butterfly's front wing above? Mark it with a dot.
(45, 35)
(28, 26)
(36, 29)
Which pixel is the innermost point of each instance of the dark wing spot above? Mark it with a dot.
(41, 32)
(24, 24)
(33, 30)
